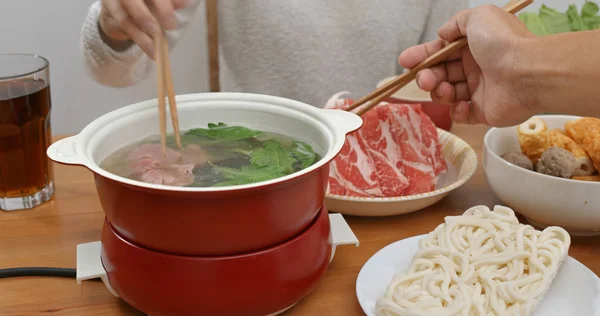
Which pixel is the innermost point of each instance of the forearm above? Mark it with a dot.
(561, 73)
(122, 63)
(114, 67)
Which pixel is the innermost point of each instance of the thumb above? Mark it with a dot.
(456, 27)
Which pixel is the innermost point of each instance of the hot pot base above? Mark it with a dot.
(259, 283)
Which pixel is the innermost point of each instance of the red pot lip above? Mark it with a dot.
(315, 223)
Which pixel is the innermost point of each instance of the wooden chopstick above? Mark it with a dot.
(402, 80)
(160, 87)
(171, 92)
(164, 81)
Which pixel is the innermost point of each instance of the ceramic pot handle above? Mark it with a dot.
(65, 151)
(344, 122)
(341, 233)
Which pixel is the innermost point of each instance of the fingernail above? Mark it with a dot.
(419, 83)
(170, 22)
(151, 28)
(150, 51)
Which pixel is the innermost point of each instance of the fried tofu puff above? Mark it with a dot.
(586, 132)
(533, 138)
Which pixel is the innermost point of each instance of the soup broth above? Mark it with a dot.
(219, 155)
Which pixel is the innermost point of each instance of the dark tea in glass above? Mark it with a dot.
(26, 177)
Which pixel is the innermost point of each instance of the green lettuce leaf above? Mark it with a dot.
(589, 9)
(555, 22)
(574, 19)
(534, 23)
(550, 21)
(589, 16)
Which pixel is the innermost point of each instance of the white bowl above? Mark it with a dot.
(543, 200)
(462, 164)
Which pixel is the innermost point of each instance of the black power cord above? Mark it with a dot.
(38, 271)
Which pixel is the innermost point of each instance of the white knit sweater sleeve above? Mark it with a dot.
(121, 69)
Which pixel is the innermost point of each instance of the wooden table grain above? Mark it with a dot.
(48, 235)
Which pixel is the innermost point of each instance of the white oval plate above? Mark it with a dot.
(574, 291)
(462, 164)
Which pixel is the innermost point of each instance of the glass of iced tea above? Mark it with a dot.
(26, 176)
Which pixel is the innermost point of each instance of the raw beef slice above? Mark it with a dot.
(148, 164)
(399, 153)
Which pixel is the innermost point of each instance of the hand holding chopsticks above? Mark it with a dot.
(165, 82)
(442, 55)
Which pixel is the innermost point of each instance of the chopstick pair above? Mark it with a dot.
(164, 81)
(402, 80)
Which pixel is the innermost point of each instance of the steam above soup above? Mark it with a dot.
(219, 155)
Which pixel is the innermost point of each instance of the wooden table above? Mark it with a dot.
(48, 235)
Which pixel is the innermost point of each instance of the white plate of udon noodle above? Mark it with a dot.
(483, 262)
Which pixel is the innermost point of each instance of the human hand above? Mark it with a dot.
(138, 21)
(481, 81)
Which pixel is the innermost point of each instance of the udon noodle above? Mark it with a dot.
(481, 263)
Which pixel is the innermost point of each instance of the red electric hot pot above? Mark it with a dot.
(210, 221)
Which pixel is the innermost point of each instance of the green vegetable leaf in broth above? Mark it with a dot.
(262, 158)
(248, 174)
(555, 21)
(534, 23)
(270, 157)
(221, 131)
(304, 154)
(268, 162)
(272, 154)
